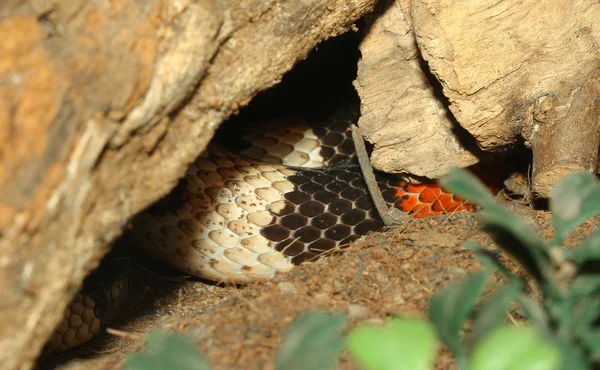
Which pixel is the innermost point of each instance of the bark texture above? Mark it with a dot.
(512, 69)
(102, 107)
(565, 135)
(403, 111)
(507, 73)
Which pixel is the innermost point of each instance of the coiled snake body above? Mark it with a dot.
(289, 195)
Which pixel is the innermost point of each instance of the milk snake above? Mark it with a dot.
(257, 202)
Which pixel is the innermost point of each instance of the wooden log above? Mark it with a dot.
(517, 66)
(102, 107)
(404, 115)
(565, 137)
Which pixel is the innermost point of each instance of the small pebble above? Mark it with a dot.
(287, 287)
(381, 277)
(322, 296)
(357, 311)
(399, 300)
(406, 254)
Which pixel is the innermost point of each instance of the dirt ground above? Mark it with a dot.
(389, 273)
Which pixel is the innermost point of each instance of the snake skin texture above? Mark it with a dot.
(95, 306)
(277, 197)
(236, 219)
(299, 144)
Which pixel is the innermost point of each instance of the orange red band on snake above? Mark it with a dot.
(422, 200)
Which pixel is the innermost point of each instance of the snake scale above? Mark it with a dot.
(283, 195)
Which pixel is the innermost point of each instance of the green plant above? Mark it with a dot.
(562, 333)
(401, 343)
(312, 342)
(165, 351)
(563, 330)
(570, 286)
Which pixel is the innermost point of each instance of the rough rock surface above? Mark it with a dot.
(102, 107)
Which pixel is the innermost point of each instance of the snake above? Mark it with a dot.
(256, 202)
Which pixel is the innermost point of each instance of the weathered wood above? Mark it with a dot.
(496, 61)
(102, 107)
(402, 114)
(565, 137)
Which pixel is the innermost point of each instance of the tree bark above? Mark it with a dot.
(514, 67)
(565, 135)
(404, 114)
(102, 108)
(443, 82)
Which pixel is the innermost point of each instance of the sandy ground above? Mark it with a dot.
(389, 273)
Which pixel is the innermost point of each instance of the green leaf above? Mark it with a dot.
(591, 341)
(588, 250)
(451, 307)
(512, 348)
(488, 259)
(165, 351)
(465, 184)
(572, 357)
(585, 284)
(519, 240)
(493, 312)
(575, 198)
(313, 342)
(584, 314)
(401, 343)
(535, 314)
(578, 317)
(511, 232)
